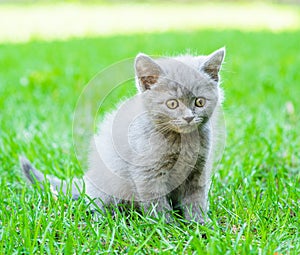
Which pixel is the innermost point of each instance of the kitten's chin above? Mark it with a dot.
(184, 129)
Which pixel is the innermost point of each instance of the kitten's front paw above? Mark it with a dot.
(195, 214)
(196, 218)
(158, 211)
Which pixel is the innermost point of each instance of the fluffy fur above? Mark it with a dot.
(157, 148)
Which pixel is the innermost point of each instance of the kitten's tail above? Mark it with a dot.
(36, 177)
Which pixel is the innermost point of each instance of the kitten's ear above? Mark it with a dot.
(213, 63)
(147, 72)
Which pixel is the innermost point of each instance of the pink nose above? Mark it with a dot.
(188, 119)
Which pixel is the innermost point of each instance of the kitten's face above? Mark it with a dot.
(179, 93)
(179, 107)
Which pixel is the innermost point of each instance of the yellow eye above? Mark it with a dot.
(200, 102)
(172, 103)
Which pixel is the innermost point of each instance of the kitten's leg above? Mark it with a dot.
(157, 206)
(194, 201)
(152, 198)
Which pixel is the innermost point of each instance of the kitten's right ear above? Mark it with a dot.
(147, 72)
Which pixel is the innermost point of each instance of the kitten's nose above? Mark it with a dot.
(188, 119)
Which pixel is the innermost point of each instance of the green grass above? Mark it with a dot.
(255, 197)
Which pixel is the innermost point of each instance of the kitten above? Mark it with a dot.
(157, 148)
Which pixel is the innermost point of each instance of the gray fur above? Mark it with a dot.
(36, 177)
(149, 153)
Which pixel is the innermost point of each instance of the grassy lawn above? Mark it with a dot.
(255, 197)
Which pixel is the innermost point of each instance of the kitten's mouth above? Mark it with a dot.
(185, 128)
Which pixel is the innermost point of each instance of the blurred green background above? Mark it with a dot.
(62, 20)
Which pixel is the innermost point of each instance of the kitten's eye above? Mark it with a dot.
(172, 103)
(200, 102)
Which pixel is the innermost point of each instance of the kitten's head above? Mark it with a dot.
(180, 93)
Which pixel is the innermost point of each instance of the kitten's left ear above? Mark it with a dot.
(147, 72)
(213, 63)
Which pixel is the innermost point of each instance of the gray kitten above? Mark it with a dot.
(157, 149)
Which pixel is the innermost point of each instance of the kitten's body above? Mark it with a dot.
(152, 154)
